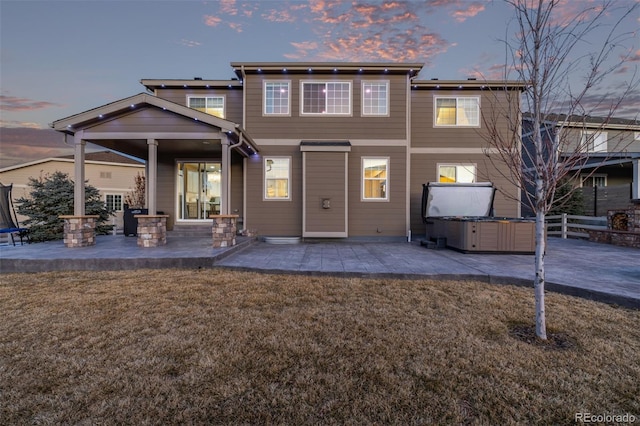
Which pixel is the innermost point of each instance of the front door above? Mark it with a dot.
(324, 194)
(199, 190)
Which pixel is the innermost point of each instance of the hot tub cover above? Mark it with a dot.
(457, 199)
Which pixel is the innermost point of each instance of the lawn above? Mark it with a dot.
(225, 347)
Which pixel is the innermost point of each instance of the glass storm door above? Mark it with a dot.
(199, 190)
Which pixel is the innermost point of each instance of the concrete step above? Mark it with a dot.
(190, 231)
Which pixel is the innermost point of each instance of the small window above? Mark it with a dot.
(114, 202)
(105, 175)
(591, 141)
(375, 98)
(277, 99)
(319, 98)
(277, 176)
(213, 105)
(589, 181)
(375, 179)
(456, 173)
(457, 112)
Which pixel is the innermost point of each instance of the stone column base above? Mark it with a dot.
(79, 231)
(152, 230)
(224, 230)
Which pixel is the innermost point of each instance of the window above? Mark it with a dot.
(326, 98)
(457, 111)
(375, 180)
(105, 175)
(213, 105)
(592, 141)
(276, 98)
(590, 181)
(277, 175)
(456, 173)
(114, 202)
(375, 98)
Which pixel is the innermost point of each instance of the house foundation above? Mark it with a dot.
(224, 230)
(79, 231)
(152, 230)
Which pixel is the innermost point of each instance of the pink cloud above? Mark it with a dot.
(471, 10)
(275, 15)
(12, 103)
(237, 27)
(228, 7)
(211, 21)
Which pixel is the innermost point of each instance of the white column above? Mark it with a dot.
(635, 186)
(78, 187)
(225, 178)
(152, 176)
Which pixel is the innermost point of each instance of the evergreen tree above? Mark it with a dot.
(52, 196)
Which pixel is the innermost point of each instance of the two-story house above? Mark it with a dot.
(330, 150)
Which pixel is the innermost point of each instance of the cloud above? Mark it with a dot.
(13, 103)
(212, 21)
(190, 43)
(471, 10)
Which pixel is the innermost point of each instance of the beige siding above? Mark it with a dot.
(329, 127)
(325, 179)
(167, 190)
(617, 140)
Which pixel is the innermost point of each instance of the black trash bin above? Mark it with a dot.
(131, 222)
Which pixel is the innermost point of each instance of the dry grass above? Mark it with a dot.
(222, 347)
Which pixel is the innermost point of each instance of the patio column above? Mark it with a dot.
(152, 176)
(78, 161)
(225, 178)
(635, 185)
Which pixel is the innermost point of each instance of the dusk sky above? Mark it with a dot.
(60, 58)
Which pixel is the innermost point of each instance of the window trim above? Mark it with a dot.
(264, 99)
(224, 103)
(387, 197)
(115, 194)
(584, 140)
(264, 178)
(387, 106)
(584, 176)
(319, 114)
(435, 112)
(456, 165)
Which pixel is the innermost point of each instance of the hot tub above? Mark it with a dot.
(461, 217)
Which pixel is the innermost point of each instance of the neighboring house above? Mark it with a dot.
(304, 149)
(112, 174)
(606, 152)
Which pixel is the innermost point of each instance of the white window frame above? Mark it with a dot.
(364, 93)
(590, 146)
(325, 114)
(593, 177)
(265, 196)
(265, 83)
(457, 99)
(363, 178)
(206, 97)
(458, 165)
(113, 194)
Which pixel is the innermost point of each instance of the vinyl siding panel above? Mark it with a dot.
(325, 179)
(326, 127)
(150, 120)
(617, 140)
(233, 99)
(167, 190)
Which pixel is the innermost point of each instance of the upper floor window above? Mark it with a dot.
(277, 178)
(326, 98)
(596, 179)
(113, 202)
(375, 179)
(375, 98)
(213, 105)
(457, 111)
(277, 99)
(592, 141)
(456, 173)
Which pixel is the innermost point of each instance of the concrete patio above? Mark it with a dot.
(596, 271)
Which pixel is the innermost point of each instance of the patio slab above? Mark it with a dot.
(602, 272)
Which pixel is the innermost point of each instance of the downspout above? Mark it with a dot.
(226, 160)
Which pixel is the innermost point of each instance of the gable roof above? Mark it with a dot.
(100, 157)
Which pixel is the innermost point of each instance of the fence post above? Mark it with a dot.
(564, 225)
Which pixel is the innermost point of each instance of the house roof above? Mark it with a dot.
(196, 83)
(101, 157)
(587, 121)
(241, 68)
(470, 83)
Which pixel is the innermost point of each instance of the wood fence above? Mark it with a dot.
(565, 225)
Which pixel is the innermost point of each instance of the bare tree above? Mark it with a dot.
(555, 55)
(137, 197)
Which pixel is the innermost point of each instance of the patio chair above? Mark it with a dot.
(8, 219)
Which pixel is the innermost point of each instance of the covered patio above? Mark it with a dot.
(162, 133)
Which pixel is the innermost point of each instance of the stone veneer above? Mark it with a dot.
(224, 230)
(629, 237)
(79, 231)
(152, 230)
